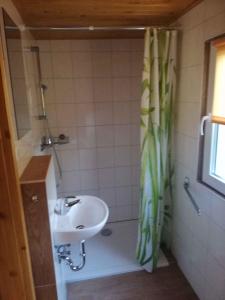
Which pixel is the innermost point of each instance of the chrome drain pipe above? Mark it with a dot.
(64, 254)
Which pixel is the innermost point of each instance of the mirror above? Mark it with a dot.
(17, 75)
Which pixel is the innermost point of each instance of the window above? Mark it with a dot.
(213, 163)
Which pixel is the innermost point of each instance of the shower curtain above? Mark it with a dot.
(158, 90)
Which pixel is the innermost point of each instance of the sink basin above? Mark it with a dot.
(83, 220)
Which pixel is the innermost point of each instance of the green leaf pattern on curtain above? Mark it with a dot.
(158, 87)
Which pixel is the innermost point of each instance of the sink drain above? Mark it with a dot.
(106, 232)
(80, 227)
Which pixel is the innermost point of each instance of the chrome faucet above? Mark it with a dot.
(63, 205)
(68, 203)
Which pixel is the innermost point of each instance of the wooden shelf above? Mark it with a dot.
(36, 170)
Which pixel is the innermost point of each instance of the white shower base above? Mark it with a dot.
(109, 255)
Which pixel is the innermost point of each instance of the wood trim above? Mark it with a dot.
(203, 108)
(16, 277)
(218, 120)
(219, 42)
(38, 171)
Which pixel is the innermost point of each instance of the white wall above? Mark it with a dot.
(94, 97)
(198, 242)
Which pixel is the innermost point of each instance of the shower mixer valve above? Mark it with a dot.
(49, 141)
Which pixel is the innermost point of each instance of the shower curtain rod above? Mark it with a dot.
(92, 28)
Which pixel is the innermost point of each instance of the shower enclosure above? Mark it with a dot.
(92, 94)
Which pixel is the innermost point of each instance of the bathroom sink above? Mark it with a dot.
(83, 220)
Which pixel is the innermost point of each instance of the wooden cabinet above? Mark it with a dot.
(35, 203)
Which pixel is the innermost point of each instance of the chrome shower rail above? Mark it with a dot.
(186, 187)
(96, 28)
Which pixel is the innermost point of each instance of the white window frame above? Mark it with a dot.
(210, 131)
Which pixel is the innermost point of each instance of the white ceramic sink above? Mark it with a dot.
(82, 221)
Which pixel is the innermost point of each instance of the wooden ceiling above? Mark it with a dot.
(68, 13)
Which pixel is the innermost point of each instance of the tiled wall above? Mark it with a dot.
(198, 242)
(94, 97)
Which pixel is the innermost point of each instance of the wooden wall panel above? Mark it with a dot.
(47, 292)
(37, 220)
(35, 203)
(16, 280)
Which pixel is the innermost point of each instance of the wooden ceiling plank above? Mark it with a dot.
(66, 13)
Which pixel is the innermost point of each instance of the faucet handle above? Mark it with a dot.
(66, 199)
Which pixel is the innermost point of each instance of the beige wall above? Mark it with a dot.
(29, 144)
(198, 242)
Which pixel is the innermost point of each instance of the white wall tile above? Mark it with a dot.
(123, 195)
(83, 90)
(215, 276)
(86, 137)
(135, 134)
(81, 45)
(51, 113)
(82, 64)
(198, 242)
(135, 195)
(94, 98)
(62, 64)
(101, 45)
(104, 136)
(123, 176)
(66, 115)
(109, 196)
(88, 159)
(124, 213)
(121, 89)
(105, 157)
(71, 132)
(44, 45)
(121, 64)
(60, 45)
(121, 45)
(102, 89)
(216, 243)
(89, 179)
(103, 113)
(50, 91)
(122, 135)
(102, 66)
(85, 114)
(64, 90)
(137, 45)
(46, 65)
(218, 210)
(106, 177)
(137, 63)
(69, 160)
(134, 211)
(121, 112)
(122, 156)
(135, 112)
(71, 181)
(136, 89)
